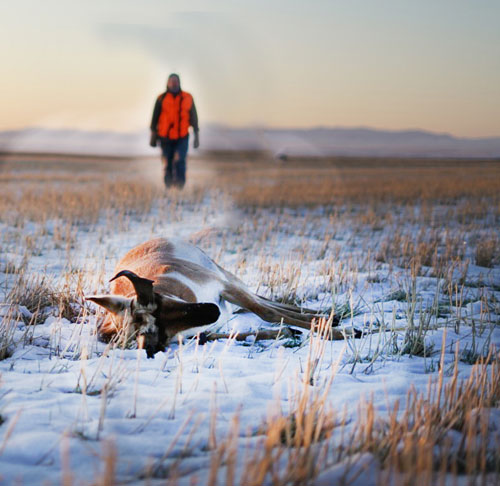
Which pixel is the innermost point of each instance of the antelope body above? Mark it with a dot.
(163, 287)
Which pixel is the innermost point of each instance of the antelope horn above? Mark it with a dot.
(143, 287)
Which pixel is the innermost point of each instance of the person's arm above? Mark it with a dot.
(156, 113)
(193, 121)
(154, 121)
(193, 118)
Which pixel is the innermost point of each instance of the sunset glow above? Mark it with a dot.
(385, 64)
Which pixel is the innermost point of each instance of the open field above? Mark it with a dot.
(408, 251)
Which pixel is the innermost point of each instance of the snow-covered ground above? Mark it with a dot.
(71, 404)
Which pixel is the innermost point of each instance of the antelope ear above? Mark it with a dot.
(199, 314)
(115, 304)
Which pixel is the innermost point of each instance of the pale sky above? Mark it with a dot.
(388, 64)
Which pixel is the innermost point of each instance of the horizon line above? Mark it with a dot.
(259, 127)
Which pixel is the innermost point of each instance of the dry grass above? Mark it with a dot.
(40, 296)
(79, 203)
(444, 430)
(374, 182)
(389, 219)
(433, 435)
(429, 248)
(77, 192)
(488, 251)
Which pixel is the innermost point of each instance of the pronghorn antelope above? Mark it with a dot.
(164, 287)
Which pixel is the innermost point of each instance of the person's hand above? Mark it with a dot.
(196, 141)
(154, 139)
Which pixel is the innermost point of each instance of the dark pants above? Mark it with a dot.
(175, 152)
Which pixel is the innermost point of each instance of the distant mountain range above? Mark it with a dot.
(316, 142)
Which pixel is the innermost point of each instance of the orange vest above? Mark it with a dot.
(174, 117)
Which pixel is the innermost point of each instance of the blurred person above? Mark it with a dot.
(173, 114)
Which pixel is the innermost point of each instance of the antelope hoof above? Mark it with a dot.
(202, 338)
(150, 352)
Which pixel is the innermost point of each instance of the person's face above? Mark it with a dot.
(173, 83)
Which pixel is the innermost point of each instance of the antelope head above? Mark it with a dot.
(151, 316)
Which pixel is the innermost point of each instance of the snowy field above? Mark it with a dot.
(408, 252)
